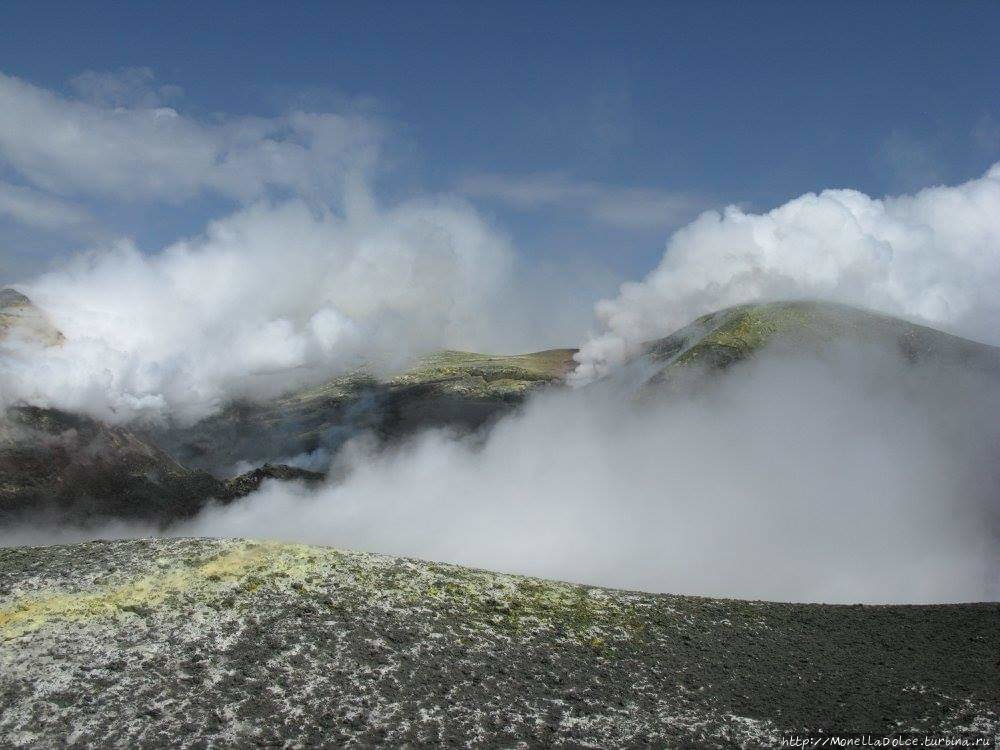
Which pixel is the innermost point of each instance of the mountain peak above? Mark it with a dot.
(21, 321)
(723, 338)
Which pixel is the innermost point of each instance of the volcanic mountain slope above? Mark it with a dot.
(62, 467)
(468, 391)
(462, 390)
(73, 467)
(232, 643)
(718, 340)
(193, 643)
(57, 466)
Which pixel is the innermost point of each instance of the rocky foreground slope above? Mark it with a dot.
(231, 643)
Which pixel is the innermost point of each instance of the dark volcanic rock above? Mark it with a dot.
(251, 481)
(59, 467)
(194, 643)
(63, 467)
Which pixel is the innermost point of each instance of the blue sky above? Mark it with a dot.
(585, 130)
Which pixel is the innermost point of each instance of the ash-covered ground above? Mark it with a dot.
(195, 643)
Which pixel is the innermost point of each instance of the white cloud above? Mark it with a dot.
(33, 208)
(622, 207)
(266, 298)
(933, 256)
(77, 147)
(276, 296)
(312, 276)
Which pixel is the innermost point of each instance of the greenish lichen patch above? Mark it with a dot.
(546, 366)
(344, 387)
(485, 600)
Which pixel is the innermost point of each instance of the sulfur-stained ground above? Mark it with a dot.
(191, 643)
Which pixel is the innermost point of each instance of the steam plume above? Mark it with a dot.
(933, 256)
